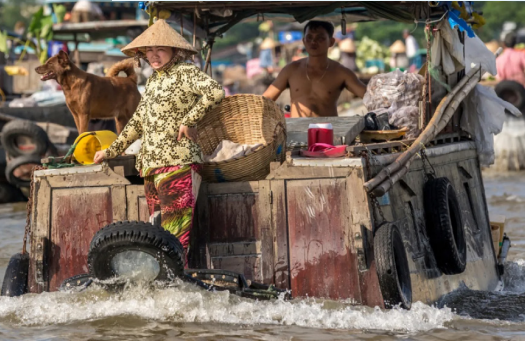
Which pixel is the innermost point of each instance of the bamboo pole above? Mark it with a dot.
(444, 112)
(208, 58)
(385, 186)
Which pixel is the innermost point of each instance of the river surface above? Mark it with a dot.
(184, 312)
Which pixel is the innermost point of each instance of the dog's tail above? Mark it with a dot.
(125, 65)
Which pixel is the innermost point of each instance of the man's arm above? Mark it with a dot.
(353, 84)
(279, 84)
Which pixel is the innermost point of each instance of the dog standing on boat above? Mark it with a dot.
(89, 96)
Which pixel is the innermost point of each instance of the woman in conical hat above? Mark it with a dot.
(177, 96)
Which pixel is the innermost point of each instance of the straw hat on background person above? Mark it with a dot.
(159, 34)
(398, 47)
(347, 45)
(267, 43)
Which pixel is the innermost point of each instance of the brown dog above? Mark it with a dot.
(89, 96)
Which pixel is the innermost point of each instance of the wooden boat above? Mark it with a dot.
(310, 226)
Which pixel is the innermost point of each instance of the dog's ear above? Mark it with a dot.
(63, 60)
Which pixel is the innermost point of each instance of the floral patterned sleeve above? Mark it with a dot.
(131, 132)
(210, 91)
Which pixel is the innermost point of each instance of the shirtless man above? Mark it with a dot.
(315, 82)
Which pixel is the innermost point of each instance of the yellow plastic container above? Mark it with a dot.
(89, 143)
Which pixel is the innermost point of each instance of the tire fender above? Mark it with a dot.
(143, 237)
(444, 225)
(392, 267)
(15, 278)
(16, 128)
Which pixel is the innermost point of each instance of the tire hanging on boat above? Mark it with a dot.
(444, 226)
(25, 160)
(16, 128)
(512, 92)
(392, 267)
(114, 246)
(15, 278)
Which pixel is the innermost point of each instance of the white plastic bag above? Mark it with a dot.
(134, 148)
(447, 49)
(476, 52)
(406, 117)
(483, 117)
(396, 87)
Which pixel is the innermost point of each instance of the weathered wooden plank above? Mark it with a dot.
(72, 229)
(250, 266)
(118, 198)
(98, 175)
(234, 249)
(280, 227)
(266, 230)
(143, 209)
(233, 187)
(133, 192)
(234, 217)
(40, 234)
(287, 171)
(321, 261)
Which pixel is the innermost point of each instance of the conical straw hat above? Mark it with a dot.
(158, 34)
(347, 45)
(397, 47)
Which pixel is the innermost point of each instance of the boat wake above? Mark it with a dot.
(186, 303)
(503, 305)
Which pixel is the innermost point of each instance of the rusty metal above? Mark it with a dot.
(430, 174)
(29, 208)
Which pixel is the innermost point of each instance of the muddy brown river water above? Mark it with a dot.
(185, 312)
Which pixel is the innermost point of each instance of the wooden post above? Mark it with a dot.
(194, 26)
(76, 53)
(208, 58)
(181, 24)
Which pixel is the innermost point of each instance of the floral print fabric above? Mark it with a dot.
(181, 95)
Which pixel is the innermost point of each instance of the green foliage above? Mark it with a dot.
(238, 34)
(498, 12)
(12, 11)
(41, 28)
(387, 32)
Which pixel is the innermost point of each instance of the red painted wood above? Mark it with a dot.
(321, 263)
(233, 218)
(77, 214)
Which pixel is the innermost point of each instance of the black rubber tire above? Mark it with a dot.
(26, 128)
(74, 282)
(15, 278)
(13, 164)
(512, 92)
(392, 267)
(444, 226)
(138, 236)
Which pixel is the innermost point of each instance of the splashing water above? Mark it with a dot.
(186, 303)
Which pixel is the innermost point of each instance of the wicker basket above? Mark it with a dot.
(244, 119)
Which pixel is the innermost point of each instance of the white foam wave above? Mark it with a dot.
(188, 304)
(514, 276)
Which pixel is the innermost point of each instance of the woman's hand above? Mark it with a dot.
(190, 133)
(99, 156)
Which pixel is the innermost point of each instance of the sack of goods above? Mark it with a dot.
(400, 93)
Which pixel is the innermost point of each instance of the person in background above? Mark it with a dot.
(411, 46)
(511, 63)
(315, 82)
(266, 57)
(177, 96)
